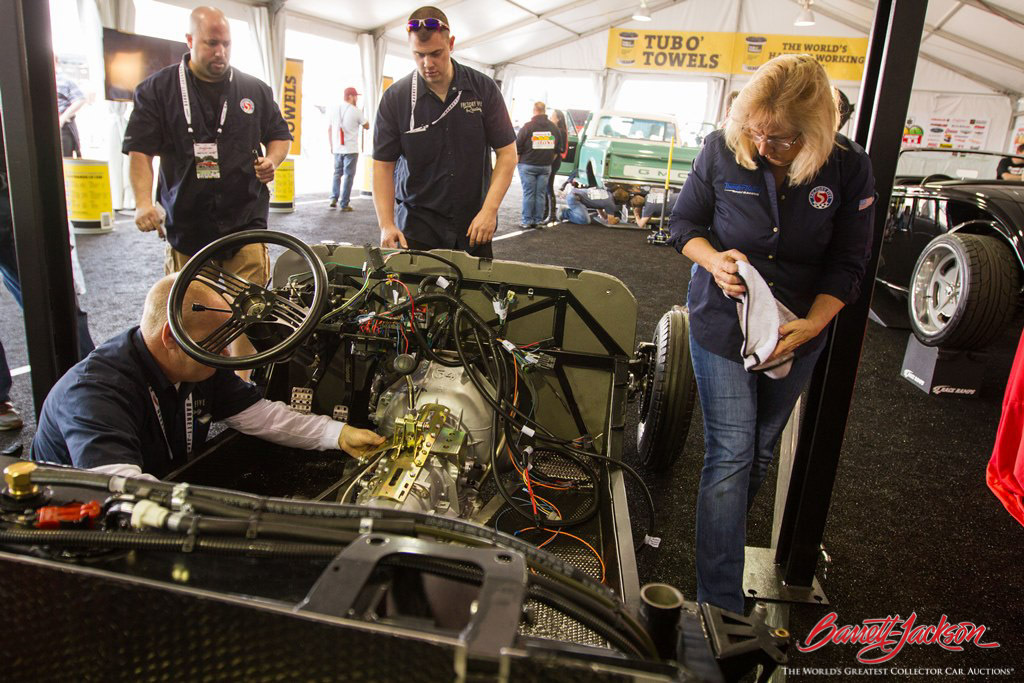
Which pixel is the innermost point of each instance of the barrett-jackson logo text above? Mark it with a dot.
(883, 639)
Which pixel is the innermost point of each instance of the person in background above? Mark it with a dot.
(558, 118)
(213, 175)
(433, 186)
(537, 144)
(728, 108)
(70, 101)
(779, 189)
(580, 201)
(1012, 168)
(343, 133)
(653, 207)
(9, 417)
(843, 107)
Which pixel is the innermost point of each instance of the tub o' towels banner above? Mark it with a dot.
(730, 53)
(291, 102)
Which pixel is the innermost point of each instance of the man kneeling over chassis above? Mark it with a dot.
(580, 201)
(140, 404)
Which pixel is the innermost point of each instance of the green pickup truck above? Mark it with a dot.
(630, 150)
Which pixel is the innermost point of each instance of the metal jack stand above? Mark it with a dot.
(659, 235)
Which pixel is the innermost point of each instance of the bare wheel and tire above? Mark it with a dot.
(668, 395)
(963, 291)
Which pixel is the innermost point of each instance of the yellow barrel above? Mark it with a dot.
(87, 187)
(282, 188)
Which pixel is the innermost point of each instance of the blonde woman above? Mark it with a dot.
(779, 189)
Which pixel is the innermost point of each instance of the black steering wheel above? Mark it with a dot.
(250, 303)
(934, 177)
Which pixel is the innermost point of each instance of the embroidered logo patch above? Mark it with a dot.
(820, 197)
(472, 106)
(247, 106)
(740, 188)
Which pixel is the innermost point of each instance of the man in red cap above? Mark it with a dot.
(343, 132)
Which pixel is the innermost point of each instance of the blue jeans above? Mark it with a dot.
(9, 274)
(344, 164)
(535, 183)
(574, 211)
(744, 414)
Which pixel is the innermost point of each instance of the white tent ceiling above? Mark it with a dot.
(979, 40)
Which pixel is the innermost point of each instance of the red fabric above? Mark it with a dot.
(1005, 474)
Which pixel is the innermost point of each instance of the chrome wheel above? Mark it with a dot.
(936, 290)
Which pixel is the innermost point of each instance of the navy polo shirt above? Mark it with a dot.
(201, 211)
(101, 412)
(442, 173)
(804, 240)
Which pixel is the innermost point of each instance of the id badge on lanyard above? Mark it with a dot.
(206, 154)
(412, 108)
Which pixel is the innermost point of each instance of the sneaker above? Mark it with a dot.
(347, 208)
(333, 204)
(9, 417)
(525, 226)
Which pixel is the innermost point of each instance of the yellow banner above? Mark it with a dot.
(843, 58)
(291, 102)
(729, 53)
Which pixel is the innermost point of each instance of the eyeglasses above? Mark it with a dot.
(774, 143)
(430, 24)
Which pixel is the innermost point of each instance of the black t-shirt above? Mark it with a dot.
(102, 412)
(213, 93)
(538, 142)
(1012, 165)
(201, 210)
(442, 161)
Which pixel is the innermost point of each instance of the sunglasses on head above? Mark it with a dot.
(430, 24)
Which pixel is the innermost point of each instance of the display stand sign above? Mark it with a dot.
(943, 372)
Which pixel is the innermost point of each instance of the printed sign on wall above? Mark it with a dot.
(945, 132)
(291, 102)
(729, 53)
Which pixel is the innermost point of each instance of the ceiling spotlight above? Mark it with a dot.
(806, 16)
(642, 13)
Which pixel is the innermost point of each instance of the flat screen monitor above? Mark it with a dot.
(129, 59)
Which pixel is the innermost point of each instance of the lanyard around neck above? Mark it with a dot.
(412, 106)
(186, 106)
(163, 427)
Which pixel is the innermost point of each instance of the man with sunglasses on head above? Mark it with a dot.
(433, 186)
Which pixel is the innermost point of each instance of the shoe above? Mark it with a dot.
(525, 226)
(347, 208)
(333, 204)
(9, 417)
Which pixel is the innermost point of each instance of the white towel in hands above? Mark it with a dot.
(761, 315)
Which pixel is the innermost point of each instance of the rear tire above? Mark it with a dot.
(963, 291)
(670, 391)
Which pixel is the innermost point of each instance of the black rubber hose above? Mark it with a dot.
(450, 264)
(617, 615)
(135, 541)
(263, 529)
(601, 620)
(599, 627)
(431, 525)
(651, 525)
(587, 514)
